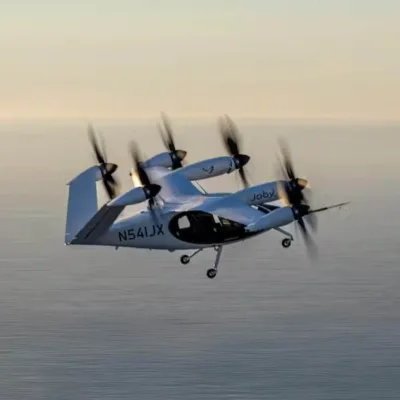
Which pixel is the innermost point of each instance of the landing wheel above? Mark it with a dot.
(212, 273)
(185, 259)
(286, 243)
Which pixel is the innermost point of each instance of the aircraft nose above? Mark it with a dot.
(243, 159)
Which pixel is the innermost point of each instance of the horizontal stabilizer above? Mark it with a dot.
(98, 224)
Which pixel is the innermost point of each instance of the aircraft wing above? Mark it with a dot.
(175, 188)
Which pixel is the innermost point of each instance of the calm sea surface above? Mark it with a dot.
(95, 323)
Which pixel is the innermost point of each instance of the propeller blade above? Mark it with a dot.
(311, 220)
(287, 159)
(111, 185)
(168, 130)
(137, 160)
(312, 249)
(234, 135)
(231, 140)
(144, 179)
(310, 244)
(163, 138)
(229, 135)
(110, 189)
(169, 142)
(93, 141)
(243, 178)
(103, 147)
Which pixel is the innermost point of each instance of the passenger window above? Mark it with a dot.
(183, 222)
(225, 222)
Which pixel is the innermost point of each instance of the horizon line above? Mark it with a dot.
(208, 118)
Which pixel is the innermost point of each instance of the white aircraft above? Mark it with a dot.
(180, 215)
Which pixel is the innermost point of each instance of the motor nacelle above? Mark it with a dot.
(280, 217)
(165, 159)
(135, 196)
(260, 194)
(213, 167)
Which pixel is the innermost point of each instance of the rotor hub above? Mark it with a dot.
(108, 168)
(240, 160)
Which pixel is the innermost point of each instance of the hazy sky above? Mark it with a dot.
(250, 58)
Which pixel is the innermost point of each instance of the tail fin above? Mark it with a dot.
(82, 201)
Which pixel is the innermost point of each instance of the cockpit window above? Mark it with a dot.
(205, 228)
(225, 221)
(184, 222)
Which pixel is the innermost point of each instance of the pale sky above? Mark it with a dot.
(195, 58)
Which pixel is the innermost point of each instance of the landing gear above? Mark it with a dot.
(212, 272)
(185, 259)
(286, 243)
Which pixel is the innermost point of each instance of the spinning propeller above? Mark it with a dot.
(177, 156)
(151, 189)
(230, 136)
(107, 169)
(292, 195)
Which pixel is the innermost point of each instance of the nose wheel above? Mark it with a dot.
(286, 243)
(212, 272)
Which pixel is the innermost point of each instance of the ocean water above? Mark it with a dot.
(95, 323)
